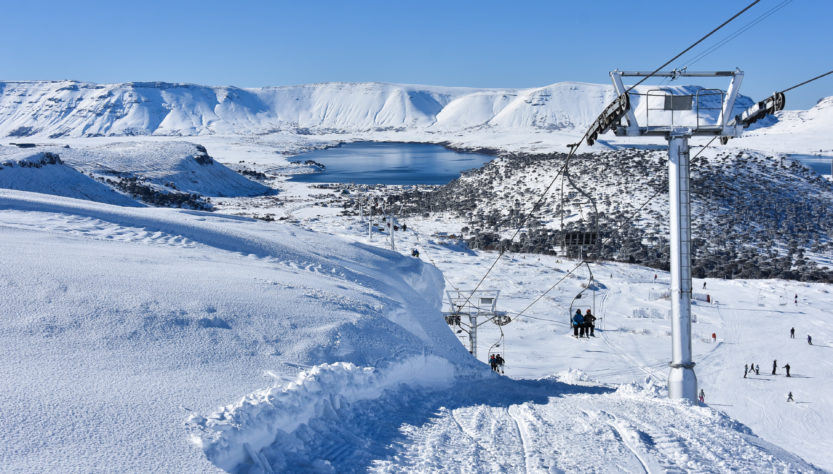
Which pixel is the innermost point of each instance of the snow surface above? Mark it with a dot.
(118, 322)
(124, 330)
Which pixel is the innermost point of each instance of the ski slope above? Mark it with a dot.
(142, 339)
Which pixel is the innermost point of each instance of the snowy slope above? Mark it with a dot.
(751, 319)
(76, 109)
(33, 171)
(132, 336)
(95, 171)
(116, 323)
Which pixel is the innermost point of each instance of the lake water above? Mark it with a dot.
(818, 163)
(389, 163)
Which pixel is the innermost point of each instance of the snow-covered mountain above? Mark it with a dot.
(79, 109)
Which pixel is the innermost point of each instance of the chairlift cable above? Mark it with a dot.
(575, 146)
(424, 247)
(619, 228)
(737, 33)
(693, 45)
(523, 222)
(807, 81)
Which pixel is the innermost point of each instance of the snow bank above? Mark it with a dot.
(117, 323)
(236, 434)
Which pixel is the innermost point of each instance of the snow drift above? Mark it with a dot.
(237, 434)
(117, 323)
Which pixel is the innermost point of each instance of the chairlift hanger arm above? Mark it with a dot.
(768, 106)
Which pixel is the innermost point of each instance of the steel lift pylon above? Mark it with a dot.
(694, 114)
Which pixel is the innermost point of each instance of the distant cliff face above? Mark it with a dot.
(79, 109)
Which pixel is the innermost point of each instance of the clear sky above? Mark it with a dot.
(480, 43)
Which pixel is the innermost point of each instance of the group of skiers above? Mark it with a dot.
(756, 369)
(496, 362)
(584, 325)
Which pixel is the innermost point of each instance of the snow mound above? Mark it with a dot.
(236, 435)
(45, 172)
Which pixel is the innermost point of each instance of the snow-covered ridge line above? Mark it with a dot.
(236, 434)
(79, 109)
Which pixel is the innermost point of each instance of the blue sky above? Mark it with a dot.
(466, 43)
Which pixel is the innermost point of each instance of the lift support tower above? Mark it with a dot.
(677, 117)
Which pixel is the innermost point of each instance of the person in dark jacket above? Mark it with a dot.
(774, 366)
(576, 320)
(493, 363)
(788, 369)
(745, 370)
(810, 340)
(792, 333)
(757, 370)
(581, 323)
(590, 321)
(499, 362)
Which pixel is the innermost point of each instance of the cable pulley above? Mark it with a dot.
(768, 106)
(611, 115)
(501, 319)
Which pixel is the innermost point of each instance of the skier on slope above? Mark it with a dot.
(810, 340)
(790, 397)
(702, 396)
(745, 370)
(788, 369)
(792, 333)
(757, 370)
(590, 321)
(774, 366)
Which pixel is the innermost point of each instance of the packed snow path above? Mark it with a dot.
(485, 424)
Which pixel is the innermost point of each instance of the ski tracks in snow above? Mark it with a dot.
(575, 431)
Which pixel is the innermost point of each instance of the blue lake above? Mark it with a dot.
(389, 163)
(821, 164)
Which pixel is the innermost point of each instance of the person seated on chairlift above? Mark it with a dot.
(577, 319)
(590, 321)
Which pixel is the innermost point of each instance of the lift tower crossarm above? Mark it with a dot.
(677, 73)
(722, 126)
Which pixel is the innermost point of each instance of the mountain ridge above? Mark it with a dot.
(69, 108)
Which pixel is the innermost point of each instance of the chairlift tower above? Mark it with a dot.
(677, 118)
(467, 306)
